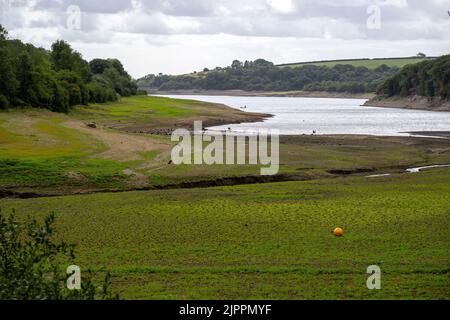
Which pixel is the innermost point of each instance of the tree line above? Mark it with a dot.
(57, 79)
(262, 75)
(429, 78)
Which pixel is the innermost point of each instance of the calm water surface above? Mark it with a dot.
(294, 116)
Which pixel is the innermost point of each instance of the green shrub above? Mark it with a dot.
(32, 264)
(141, 93)
(4, 102)
(100, 93)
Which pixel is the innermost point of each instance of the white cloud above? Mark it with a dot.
(185, 35)
(283, 6)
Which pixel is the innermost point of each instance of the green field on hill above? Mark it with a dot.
(267, 241)
(368, 63)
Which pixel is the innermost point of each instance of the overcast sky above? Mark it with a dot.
(180, 36)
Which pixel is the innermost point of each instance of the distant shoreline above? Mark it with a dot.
(412, 103)
(242, 93)
(439, 134)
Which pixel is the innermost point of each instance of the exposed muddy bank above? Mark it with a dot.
(412, 170)
(228, 181)
(413, 103)
(249, 117)
(437, 134)
(344, 172)
(213, 114)
(420, 169)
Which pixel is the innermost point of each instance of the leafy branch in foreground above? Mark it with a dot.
(31, 264)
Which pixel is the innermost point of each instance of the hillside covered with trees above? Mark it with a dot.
(57, 79)
(262, 75)
(428, 79)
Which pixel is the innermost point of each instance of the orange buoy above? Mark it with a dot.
(338, 232)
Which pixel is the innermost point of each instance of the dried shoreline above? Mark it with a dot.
(412, 103)
(242, 93)
(214, 114)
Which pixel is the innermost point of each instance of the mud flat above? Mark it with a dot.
(441, 134)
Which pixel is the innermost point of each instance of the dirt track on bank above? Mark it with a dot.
(121, 146)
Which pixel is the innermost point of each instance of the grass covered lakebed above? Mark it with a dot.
(44, 153)
(264, 241)
(256, 241)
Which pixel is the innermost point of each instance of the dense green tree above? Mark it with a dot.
(8, 81)
(27, 77)
(3, 33)
(114, 72)
(65, 58)
(74, 86)
(236, 65)
(116, 64)
(57, 79)
(101, 89)
(61, 100)
(98, 66)
(264, 75)
(428, 78)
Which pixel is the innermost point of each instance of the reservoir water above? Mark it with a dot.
(293, 116)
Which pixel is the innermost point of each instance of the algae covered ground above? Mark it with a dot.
(266, 241)
(45, 153)
(256, 241)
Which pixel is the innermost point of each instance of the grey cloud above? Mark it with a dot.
(345, 19)
(192, 8)
(92, 6)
